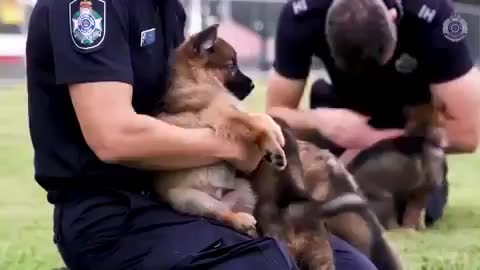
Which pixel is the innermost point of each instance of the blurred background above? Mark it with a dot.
(250, 25)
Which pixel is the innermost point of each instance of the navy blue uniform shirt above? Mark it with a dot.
(424, 55)
(78, 41)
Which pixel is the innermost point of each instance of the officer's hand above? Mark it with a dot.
(349, 129)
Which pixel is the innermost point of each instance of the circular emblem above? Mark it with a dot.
(86, 24)
(455, 28)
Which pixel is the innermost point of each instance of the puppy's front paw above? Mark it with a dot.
(277, 159)
(274, 130)
(273, 143)
(243, 222)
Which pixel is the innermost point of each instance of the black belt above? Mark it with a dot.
(55, 186)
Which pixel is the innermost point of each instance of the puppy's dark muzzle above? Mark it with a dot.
(241, 86)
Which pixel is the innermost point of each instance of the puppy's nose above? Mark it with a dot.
(252, 85)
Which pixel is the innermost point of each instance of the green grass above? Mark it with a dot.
(26, 217)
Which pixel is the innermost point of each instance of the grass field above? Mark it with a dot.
(26, 227)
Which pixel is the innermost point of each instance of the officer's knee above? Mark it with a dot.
(363, 263)
(353, 261)
(348, 258)
(284, 253)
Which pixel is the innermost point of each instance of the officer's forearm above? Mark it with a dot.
(117, 134)
(461, 98)
(147, 143)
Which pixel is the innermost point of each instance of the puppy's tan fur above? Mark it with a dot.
(198, 98)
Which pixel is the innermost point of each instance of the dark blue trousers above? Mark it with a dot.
(323, 95)
(114, 230)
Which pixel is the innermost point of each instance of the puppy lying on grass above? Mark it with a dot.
(198, 97)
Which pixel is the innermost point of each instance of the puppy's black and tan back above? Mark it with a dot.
(327, 179)
(295, 204)
(280, 211)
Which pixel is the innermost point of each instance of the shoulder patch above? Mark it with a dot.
(309, 7)
(87, 23)
(427, 13)
(299, 6)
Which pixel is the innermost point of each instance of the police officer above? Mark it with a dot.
(380, 56)
(96, 69)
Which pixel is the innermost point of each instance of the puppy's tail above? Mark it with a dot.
(382, 254)
(347, 202)
(344, 203)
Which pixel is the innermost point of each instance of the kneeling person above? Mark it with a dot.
(381, 56)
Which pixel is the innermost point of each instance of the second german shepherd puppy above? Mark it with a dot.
(327, 179)
(198, 97)
(404, 170)
(294, 204)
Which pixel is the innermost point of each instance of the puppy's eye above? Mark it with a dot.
(232, 68)
(210, 49)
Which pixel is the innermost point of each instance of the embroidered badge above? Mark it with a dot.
(147, 37)
(455, 28)
(87, 26)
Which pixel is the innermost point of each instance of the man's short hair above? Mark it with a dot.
(360, 34)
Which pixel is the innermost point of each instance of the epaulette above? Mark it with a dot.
(305, 7)
(426, 10)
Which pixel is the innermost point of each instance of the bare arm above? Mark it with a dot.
(343, 127)
(462, 100)
(283, 99)
(117, 134)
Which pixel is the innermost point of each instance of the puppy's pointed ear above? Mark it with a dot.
(204, 40)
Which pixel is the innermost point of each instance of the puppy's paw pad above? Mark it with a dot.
(268, 157)
(277, 160)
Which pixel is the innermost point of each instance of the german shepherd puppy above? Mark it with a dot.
(327, 178)
(404, 170)
(294, 204)
(198, 97)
